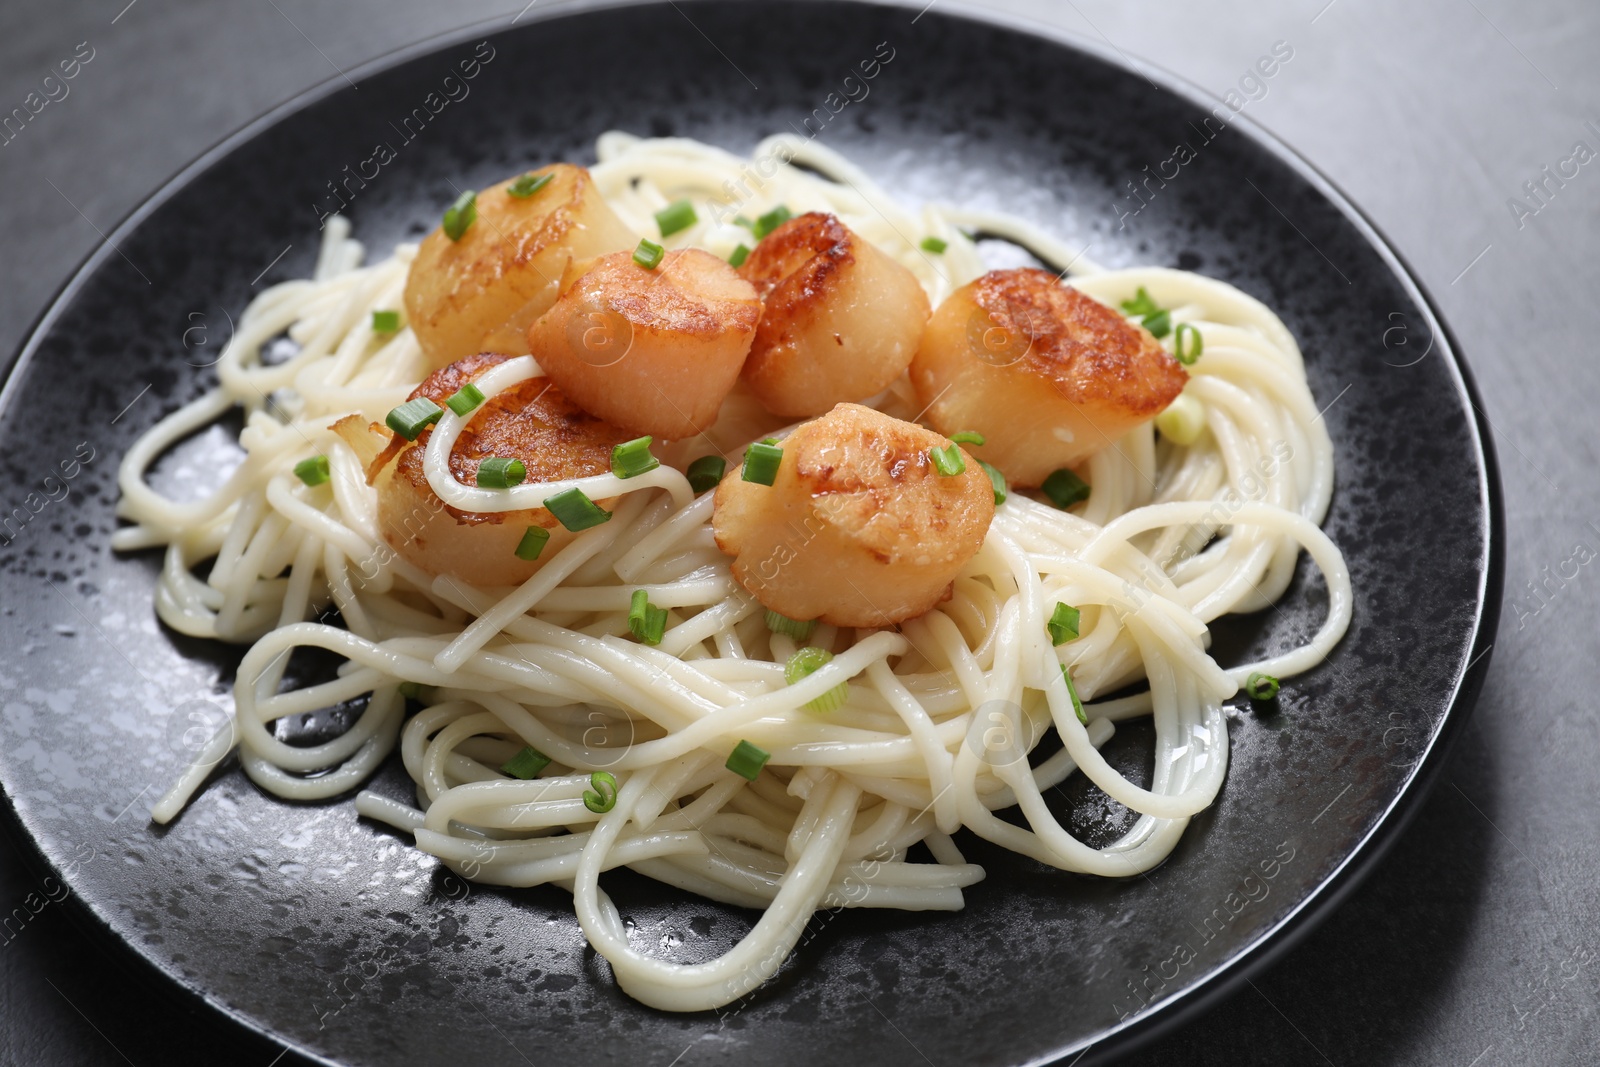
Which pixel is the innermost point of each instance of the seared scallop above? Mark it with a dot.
(859, 527)
(653, 350)
(1047, 375)
(480, 291)
(532, 422)
(840, 319)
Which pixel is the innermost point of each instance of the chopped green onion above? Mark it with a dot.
(1072, 691)
(647, 622)
(499, 472)
(1261, 687)
(761, 462)
(746, 760)
(1187, 354)
(771, 221)
(769, 440)
(968, 437)
(525, 764)
(414, 416)
(678, 215)
(947, 461)
(385, 321)
(464, 400)
(1183, 420)
(1150, 314)
(799, 629)
(805, 663)
(313, 471)
(532, 543)
(576, 511)
(1141, 304)
(460, 215)
(997, 480)
(529, 184)
(934, 245)
(740, 254)
(648, 254)
(1062, 624)
(705, 472)
(1065, 488)
(633, 458)
(601, 796)
(411, 690)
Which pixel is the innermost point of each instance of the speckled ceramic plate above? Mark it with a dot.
(332, 934)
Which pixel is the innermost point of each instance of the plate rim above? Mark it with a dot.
(1268, 947)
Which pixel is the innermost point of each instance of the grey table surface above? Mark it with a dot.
(1474, 942)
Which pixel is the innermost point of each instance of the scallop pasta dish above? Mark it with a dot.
(724, 519)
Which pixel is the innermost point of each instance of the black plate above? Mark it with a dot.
(333, 935)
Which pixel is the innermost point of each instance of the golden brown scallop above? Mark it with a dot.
(1046, 374)
(858, 527)
(480, 293)
(840, 319)
(654, 351)
(532, 422)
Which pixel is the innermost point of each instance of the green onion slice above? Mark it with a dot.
(532, 543)
(525, 764)
(761, 462)
(1261, 687)
(746, 760)
(678, 215)
(385, 321)
(705, 472)
(1187, 344)
(313, 471)
(576, 511)
(460, 215)
(1064, 488)
(499, 472)
(633, 458)
(806, 662)
(771, 221)
(934, 245)
(1150, 314)
(1063, 624)
(997, 480)
(529, 184)
(647, 622)
(411, 418)
(947, 461)
(969, 437)
(1072, 691)
(411, 690)
(1183, 420)
(601, 796)
(464, 400)
(799, 629)
(1141, 304)
(740, 254)
(648, 255)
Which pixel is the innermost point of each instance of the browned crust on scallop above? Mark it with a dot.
(884, 489)
(1087, 351)
(489, 249)
(793, 269)
(657, 299)
(533, 421)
